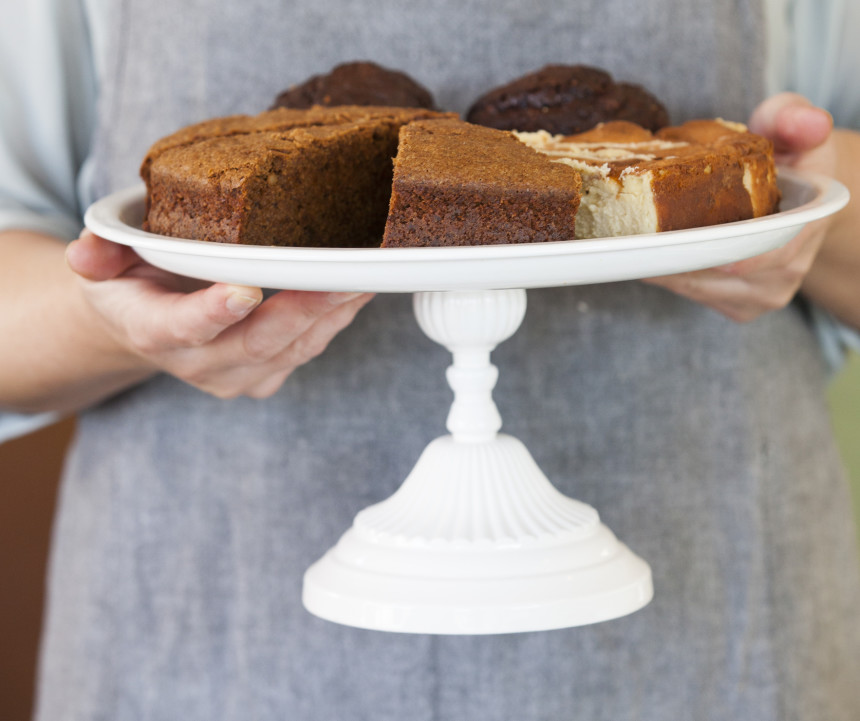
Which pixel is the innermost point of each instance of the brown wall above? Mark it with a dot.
(29, 469)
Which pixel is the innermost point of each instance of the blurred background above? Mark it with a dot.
(30, 468)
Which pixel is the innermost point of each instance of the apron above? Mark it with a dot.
(185, 522)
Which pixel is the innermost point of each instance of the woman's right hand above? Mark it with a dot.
(222, 339)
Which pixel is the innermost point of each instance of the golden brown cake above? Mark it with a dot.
(701, 173)
(323, 177)
(461, 184)
(318, 177)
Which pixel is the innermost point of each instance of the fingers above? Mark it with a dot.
(180, 320)
(286, 317)
(317, 337)
(255, 357)
(793, 123)
(799, 252)
(223, 341)
(307, 346)
(95, 258)
(699, 285)
(222, 338)
(743, 293)
(731, 296)
(749, 288)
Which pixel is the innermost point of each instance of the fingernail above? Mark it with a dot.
(340, 298)
(239, 304)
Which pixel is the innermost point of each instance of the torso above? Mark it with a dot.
(186, 522)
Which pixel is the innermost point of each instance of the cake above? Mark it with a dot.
(357, 83)
(566, 99)
(700, 173)
(324, 177)
(317, 177)
(461, 184)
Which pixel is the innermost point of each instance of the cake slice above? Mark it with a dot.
(461, 184)
(701, 173)
(318, 177)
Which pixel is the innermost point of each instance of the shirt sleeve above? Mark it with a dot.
(825, 56)
(13, 425)
(47, 83)
(813, 50)
(47, 114)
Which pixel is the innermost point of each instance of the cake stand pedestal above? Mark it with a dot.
(476, 540)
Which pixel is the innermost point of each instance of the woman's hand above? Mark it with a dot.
(220, 338)
(803, 139)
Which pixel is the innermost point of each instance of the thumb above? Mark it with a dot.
(792, 123)
(95, 258)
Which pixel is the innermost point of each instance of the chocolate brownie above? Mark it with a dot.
(566, 99)
(319, 177)
(461, 184)
(357, 83)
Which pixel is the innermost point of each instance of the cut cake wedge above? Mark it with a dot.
(701, 173)
(461, 184)
(318, 177)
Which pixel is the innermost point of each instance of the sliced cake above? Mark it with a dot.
(461, 184)
(701, 173)
(318, 177)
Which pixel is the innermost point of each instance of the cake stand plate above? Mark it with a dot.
(476, 540)
(406, 270)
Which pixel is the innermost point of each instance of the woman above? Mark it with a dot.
(219, 452)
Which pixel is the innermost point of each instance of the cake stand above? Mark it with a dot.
(476, 540)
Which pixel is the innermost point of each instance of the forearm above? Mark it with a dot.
(833, 282)
(57, 354)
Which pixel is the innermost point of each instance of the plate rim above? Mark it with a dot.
(104, 217)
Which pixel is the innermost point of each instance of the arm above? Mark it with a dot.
(79, 337)
(833, 281)
(823, 260)
(57, 358)
(70, 338)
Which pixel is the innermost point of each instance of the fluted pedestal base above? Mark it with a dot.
(476, 540)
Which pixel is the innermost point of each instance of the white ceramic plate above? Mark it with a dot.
(117, 217)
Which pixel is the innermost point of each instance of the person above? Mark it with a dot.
(225, 441)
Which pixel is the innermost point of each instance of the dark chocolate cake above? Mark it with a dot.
(566, 99)
(357, 83)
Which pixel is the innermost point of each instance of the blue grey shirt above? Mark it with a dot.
(184, 523)
(45, 137)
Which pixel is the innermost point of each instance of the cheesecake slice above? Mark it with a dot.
(703, 172)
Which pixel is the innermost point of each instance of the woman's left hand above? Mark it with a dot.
(803, 139)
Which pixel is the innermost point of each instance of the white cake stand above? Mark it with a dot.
(476, 540)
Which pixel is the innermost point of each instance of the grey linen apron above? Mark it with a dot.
(185, 522)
